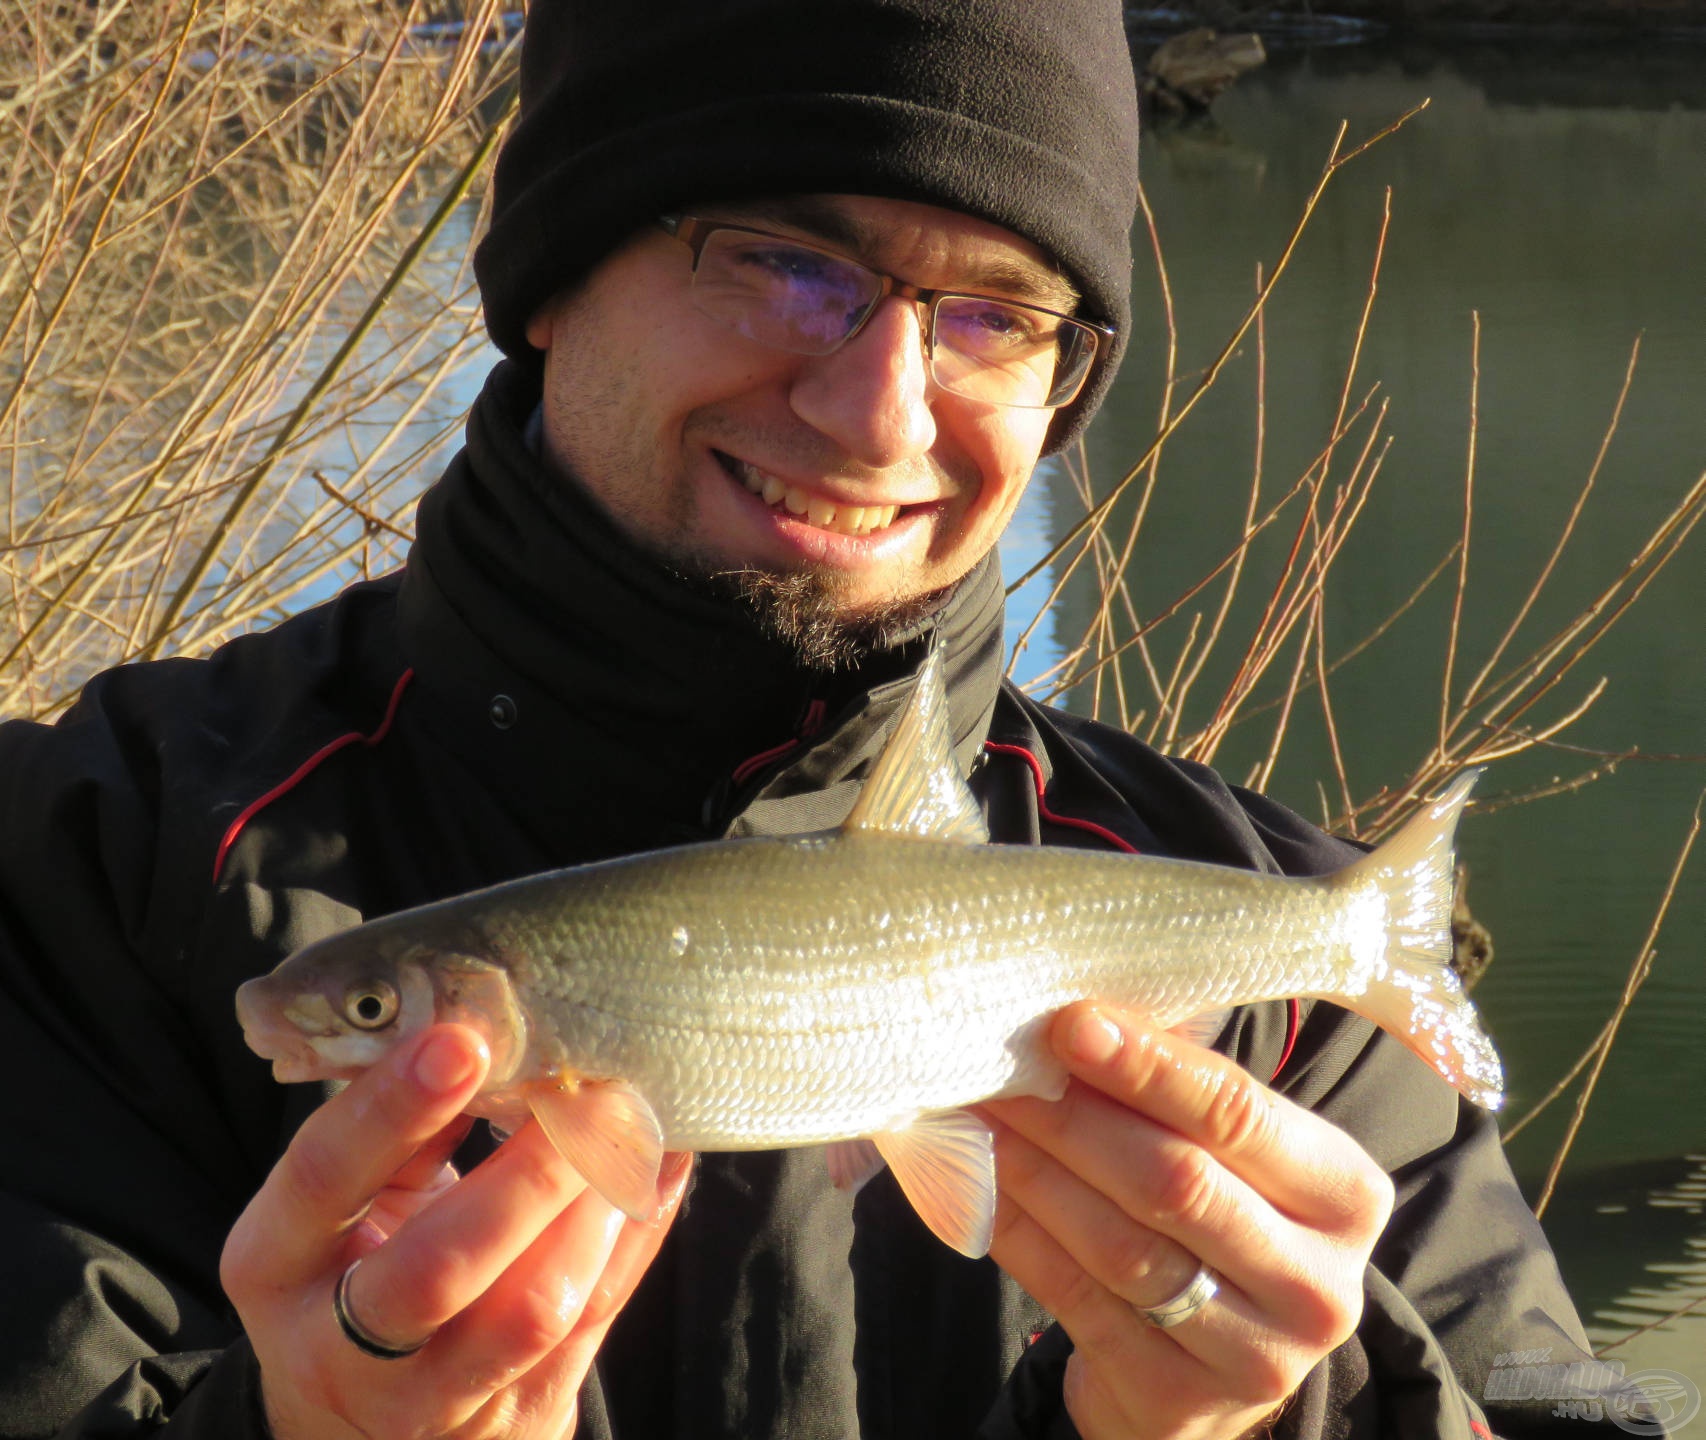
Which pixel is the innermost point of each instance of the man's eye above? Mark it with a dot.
(981, 328)
(1005, 322)
(787, 264)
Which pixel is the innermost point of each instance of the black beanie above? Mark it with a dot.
(1021, 112)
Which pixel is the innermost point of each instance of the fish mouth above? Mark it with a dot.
(814, 509)
(298, 1066)
(282, 1041)
(294, 1058)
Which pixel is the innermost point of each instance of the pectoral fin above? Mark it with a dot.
(608, 1131)
(1203, 1029)
(946, 1165)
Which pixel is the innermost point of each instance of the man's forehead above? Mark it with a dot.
(908, 238)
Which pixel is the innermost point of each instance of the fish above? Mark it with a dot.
(861, 988)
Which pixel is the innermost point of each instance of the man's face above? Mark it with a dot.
(719, 454)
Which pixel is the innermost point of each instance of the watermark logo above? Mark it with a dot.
(1662, 1402)
(1650, 1402)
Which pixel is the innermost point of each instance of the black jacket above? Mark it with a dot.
(531, 693)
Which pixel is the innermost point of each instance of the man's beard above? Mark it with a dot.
(805, 612)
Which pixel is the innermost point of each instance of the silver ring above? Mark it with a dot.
(1183, 1305)
(356, 1334)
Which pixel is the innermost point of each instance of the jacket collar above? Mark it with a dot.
(616, 704)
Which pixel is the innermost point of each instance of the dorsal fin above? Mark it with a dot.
(915, 788)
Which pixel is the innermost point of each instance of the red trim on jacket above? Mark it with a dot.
(813, 722)
(1293, 1010)
(1101, 831)
(307, 768)
(1293, 1021)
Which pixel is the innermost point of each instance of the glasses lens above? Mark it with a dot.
(781, 294)
(1007, 354)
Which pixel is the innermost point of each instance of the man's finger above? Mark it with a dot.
(426, 1174)
(636, 1247)
(545, 1317)
(1140, 1266)
(355, 1143)
(638, 1244)
(425, 1169)
(1166, 1184)
(529, 1310)
(444, 1259)
(1305, 1167)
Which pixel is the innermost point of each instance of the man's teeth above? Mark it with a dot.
(844, 519)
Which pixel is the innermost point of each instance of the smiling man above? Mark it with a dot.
(795, 294)
(853, 460)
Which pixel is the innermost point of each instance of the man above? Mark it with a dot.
(796, 295)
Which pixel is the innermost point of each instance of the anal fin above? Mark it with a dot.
(1203, 1029)
(608, 1131)
(945, 1164)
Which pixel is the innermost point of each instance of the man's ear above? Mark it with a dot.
(541, 323)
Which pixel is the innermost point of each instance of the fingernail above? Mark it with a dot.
(1092, 1038)
(445, 1062)
(673, 1178)
(613, 1223)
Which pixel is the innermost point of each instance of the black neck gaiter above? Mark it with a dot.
(613, 703)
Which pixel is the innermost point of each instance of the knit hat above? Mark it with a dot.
(1021, 112)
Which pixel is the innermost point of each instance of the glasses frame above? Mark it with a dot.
(694, 231)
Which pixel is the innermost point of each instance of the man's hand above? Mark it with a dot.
(1163, 1155)
(514, 1271)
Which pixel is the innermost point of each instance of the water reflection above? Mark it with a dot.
(1637, 1241)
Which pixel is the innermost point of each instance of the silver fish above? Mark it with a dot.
(860, 987)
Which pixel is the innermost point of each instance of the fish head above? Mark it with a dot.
(338, 1005)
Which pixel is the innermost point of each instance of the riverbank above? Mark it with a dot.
(1471, 16)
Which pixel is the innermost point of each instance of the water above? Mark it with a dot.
(1562, 196)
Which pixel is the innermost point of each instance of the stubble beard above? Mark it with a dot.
(806, 612)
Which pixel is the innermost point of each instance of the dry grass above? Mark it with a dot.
(198, 194)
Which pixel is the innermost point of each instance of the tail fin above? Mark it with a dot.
(1417, 997)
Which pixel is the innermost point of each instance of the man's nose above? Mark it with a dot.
(873, 395)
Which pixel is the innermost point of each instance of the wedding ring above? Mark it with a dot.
(1183, 1305)
(357, 1334)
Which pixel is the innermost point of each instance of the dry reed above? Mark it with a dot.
(203, 197)
(1280, 661)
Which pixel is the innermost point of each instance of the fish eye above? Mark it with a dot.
(371, 1006)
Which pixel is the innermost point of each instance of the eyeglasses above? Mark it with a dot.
(810, 301)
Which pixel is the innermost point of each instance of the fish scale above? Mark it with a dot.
(863, 986)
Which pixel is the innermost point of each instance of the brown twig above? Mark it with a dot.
(1336, 161)
(366, 516)
(1463, 542)
(1685, 1309)
(1565, 535)
(1638, 973)
(1174, 708)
